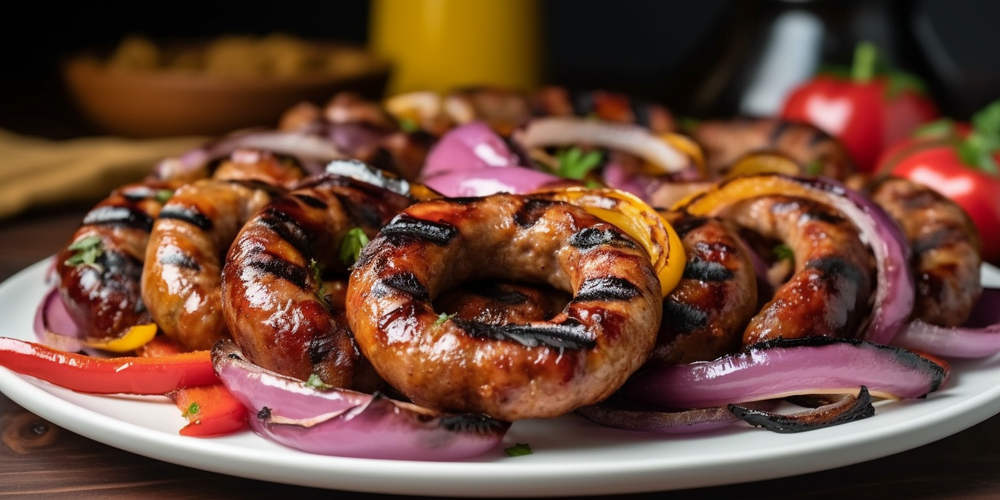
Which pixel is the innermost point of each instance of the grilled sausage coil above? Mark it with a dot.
(514, 371)
(272, 281)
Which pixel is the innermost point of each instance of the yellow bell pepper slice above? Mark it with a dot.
(134, 338)
(735, 189)
(640, 221)
(764, 163)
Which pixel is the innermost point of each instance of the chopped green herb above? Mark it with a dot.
(351, 245)
(593, 184)
(86, 251)
(984, 140)
(784, 252)
(317, 274)
(408, 125)
(574, 164)
(814, 167)
(316, 383)
(442, 318)
(162, 195)
(519, 449)
(192, 410)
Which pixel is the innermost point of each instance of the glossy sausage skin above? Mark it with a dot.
(105, 298)
(181, 282)
(726, 141)
(514, 371)
(945, 243)
(705, 315)
(502, 303)
(830, 290)
(273, 302)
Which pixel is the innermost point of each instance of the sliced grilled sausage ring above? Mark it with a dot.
(510, 371)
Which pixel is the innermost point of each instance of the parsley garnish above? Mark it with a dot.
(518, 450)
(442, 318)
(86, 251)
(814, 167)
(351, 245)
(574, 164)
(317, 273)
(192, 410)
(408, 125)
(317, 383)
(162, 195)
(784, 252)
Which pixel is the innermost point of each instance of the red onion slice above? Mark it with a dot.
(786, 367)
(469, 147)
(971, 341)
(489, 180)
(634, 139)
(347, 423)
(619, 415)
(312, 151)
(53, 325)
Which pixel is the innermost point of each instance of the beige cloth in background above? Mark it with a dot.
(37, 172)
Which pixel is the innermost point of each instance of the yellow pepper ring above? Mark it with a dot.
(638, 220)
(685, 145)
(764, 163)
(134, 338)
(741, 188)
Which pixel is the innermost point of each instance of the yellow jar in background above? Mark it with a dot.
(442, 44)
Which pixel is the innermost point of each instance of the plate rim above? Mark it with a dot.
(483, 478)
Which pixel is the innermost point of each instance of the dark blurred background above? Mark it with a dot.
(701, 58)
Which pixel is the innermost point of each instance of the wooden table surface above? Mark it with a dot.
(40, 460)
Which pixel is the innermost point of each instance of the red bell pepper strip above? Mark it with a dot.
(211, 411)
(120, 375)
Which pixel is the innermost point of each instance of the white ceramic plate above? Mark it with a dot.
(571, 455)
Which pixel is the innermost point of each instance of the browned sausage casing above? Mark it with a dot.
(726, 141)
(705, 315)
(105, 298)
(829, 293)
(273, 301)
(510, 372)
(945, 243)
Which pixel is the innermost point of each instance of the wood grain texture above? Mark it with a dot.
(40, 460)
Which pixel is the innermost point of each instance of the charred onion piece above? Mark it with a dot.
(848, 409)
(767, 370)
(617, 414)
(348, 423)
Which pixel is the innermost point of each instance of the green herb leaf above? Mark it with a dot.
(518, 450)
(162, 195)
(784, 252)
(408, 125)
(351, 245)
(574, 164)
(687, 123)
(316, 383)
(86, 251)
(594, 184)
(317, 274)
(192, 410)
(978, 149)
(814, 167)
(442, 318)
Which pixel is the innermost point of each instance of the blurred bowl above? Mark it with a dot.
(157, 102)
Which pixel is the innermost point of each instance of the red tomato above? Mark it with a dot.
(861, 114)
(938, 165)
